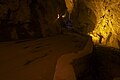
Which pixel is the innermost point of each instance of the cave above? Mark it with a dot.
(59, 40)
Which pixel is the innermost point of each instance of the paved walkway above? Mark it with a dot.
(64, 68)
(37, 59)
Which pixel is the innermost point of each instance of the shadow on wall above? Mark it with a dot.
(102, 64)
(30, 19)
(42, 19)
(84, 19)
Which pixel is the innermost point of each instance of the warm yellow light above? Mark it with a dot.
(102, 30)
(104, 33)
(107, 28)
(58, 16)
(63, 16)
(69, 5)
(95, 37)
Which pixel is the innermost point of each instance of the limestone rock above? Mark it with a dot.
(98, 18)
(39, 17)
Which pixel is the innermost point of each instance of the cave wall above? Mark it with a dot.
(83, 17)
(20, 19)
(107, 22)
(98, 18)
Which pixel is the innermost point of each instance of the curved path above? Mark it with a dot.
(42, 59)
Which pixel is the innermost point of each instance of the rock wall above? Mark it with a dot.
(20, 19)
(107, 22)
(98, 18)
(83, 17)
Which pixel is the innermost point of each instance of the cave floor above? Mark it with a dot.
(36, 59)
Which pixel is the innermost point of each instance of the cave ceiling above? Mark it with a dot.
(98, 18)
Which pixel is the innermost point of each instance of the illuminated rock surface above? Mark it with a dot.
(107, 22)
(30, 19)
(99, 18)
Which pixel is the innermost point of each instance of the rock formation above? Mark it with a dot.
(30, 18)
(21, 19)
(107, 21)
(98, 18)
